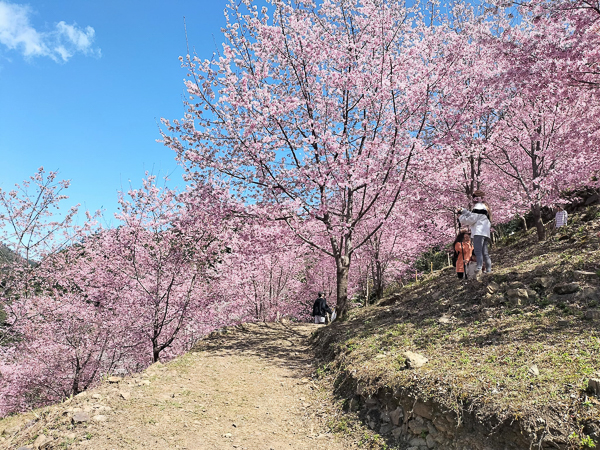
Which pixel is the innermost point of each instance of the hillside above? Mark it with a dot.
(7, 256)
(513, 362)
(509, 359)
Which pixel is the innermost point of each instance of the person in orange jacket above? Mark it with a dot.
(464, 248)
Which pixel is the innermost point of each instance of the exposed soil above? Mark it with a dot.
(246, 389)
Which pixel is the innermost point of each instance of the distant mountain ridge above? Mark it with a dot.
(7, 255)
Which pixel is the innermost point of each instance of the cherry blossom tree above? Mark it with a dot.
(54, 343)
(547, 137)
(163, 254)
(574, 25)
(30, 230)
(316, 114)
(63, 345)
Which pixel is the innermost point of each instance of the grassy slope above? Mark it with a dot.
(479, 358)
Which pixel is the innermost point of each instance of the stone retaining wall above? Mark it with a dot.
(423, 426)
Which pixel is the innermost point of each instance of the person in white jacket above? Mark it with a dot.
(479, 221)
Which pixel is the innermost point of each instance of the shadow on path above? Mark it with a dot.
(280, 344)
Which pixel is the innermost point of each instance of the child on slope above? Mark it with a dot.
(464, 248)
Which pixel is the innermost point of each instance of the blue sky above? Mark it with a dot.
(83, 85)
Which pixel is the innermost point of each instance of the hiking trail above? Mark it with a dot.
(246, 389)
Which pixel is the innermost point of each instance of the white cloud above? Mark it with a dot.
(60, 43)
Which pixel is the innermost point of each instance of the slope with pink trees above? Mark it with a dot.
(325, 148)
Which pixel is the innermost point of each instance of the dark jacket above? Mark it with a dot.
(320, 307)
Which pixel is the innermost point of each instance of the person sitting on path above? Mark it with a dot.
(464, 248)
(480, 225)
(320, 308)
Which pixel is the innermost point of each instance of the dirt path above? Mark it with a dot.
(247, 390)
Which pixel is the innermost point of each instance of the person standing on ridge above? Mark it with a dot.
(320, 308)
(478, 220)
(479, 197)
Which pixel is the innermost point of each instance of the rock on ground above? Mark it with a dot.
(414, 360)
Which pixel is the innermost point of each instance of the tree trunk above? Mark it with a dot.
(368, 293)
(343, 264)
(75, 388)
(537, 207)
(155, 351)
(378, 280)
(539, 225)
(455, 220)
